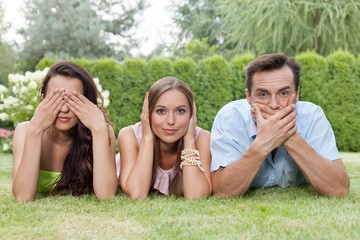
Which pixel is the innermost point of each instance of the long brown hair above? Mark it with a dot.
(77, 175)
(157, 89)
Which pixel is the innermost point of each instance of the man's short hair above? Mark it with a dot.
(270, 62)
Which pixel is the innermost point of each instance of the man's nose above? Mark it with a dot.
(274, 102)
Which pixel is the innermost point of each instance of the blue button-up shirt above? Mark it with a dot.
(234, 130)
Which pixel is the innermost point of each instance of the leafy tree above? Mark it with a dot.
(290, 26)
(87, 28)
(196, 49)
(198, 19)
(8, 58)
(7, 54)
(2, 26)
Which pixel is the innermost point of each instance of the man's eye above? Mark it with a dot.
(284, 93)
(262, 95)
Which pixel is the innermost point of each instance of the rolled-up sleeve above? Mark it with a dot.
(230, 136)
(319, 133)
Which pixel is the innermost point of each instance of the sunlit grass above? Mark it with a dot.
(293, 213)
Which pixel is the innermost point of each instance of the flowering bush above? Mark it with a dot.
(19, 100)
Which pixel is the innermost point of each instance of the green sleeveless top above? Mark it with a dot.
(47, 180)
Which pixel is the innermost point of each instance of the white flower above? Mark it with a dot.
(105, 94)
(10, 101)
(32, 84)
(29, 107)
(23, 90)
(29, 76)
(5, 147)
(3, 116)
(96, 81)
(12, 78)
(40, 75)
(106, 102)
(3, 89)
(99, 88)
(20, 78)
(15, 89)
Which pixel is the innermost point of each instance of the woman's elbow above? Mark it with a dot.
(110, 193)
(23, 197)
(137, 196)
(196, 195)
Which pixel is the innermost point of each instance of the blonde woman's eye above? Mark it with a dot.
(181, 111)
(160, 111)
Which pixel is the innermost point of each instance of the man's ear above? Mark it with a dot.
(297, 94)
(248, 97)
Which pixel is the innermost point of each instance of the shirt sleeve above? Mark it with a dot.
(321, 137)
(229, 137)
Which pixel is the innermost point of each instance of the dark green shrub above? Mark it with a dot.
(237, 64)
(133, 87)
(45, 62)
(215, 89)
(342, 106)
(313, 79)
(159, 68)
(109, 73)
(185, 70)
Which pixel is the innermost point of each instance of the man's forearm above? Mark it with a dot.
(236, 179)
(327, 177)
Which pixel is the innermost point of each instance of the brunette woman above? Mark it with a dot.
(68, 145)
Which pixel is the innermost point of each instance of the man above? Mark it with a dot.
(272, 139)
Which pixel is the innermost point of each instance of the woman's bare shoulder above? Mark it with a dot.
(22, 126)
(125, 131)
(204, 133)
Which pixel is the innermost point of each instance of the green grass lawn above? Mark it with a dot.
(293, 213)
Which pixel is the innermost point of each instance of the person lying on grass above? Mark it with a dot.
(68, 146)
(166, 152)
(272, 139)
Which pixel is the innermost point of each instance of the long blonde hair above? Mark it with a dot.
(157, 89)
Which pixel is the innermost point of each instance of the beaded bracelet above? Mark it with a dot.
(189, 152)
(192, 163)
(190, 157)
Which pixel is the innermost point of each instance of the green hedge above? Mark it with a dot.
(313, 79)
(238, 63)
(331, 82)
(214, 88)
(342, 106)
